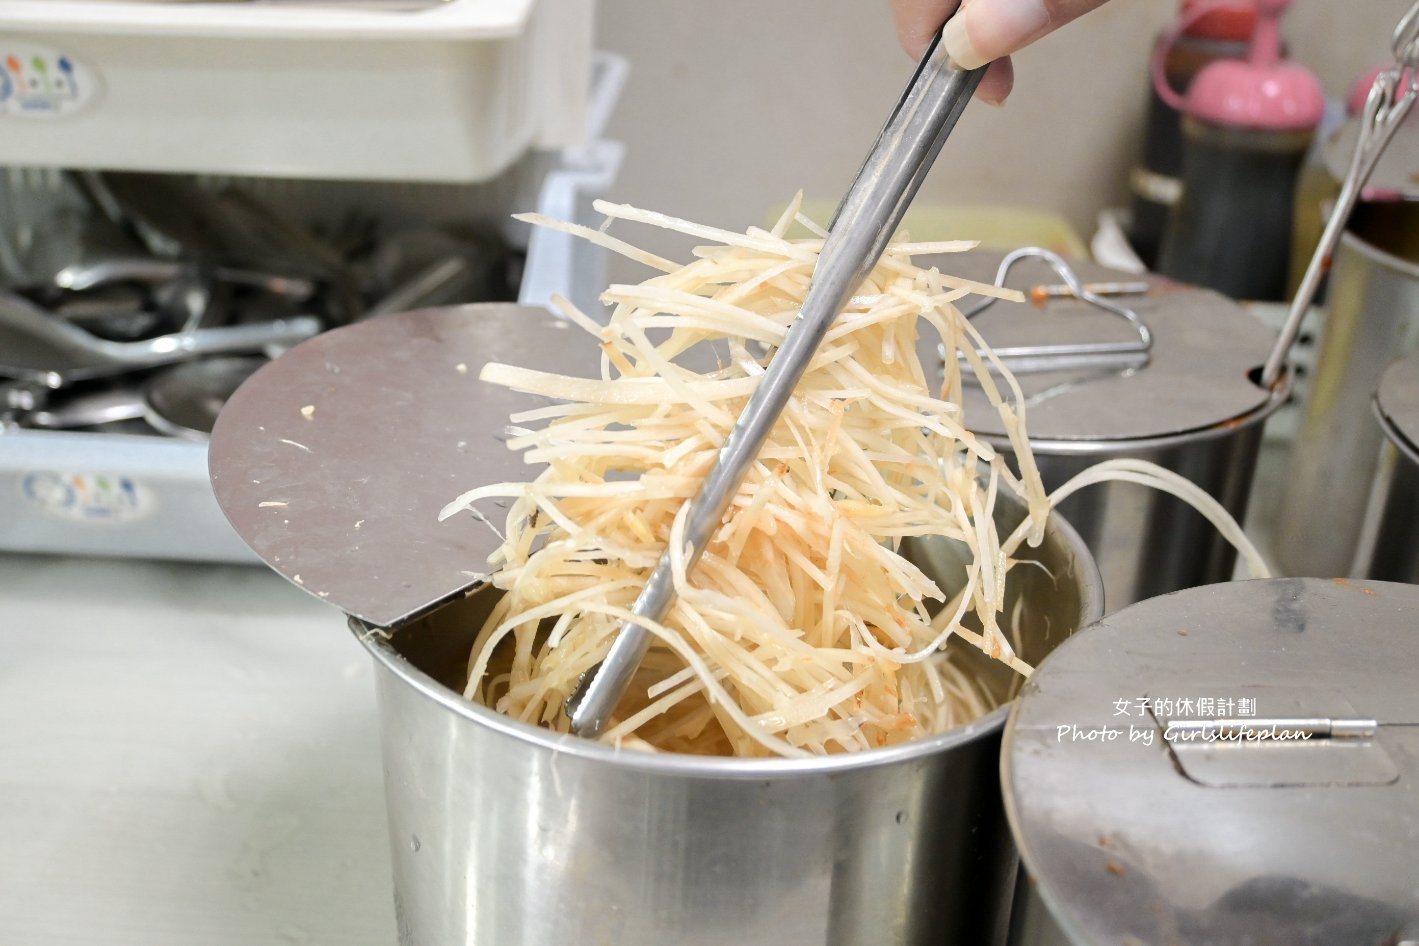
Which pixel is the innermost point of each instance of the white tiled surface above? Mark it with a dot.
(188, 755)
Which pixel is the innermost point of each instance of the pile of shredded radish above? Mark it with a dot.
(802, 630)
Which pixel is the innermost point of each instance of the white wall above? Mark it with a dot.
(735, 104)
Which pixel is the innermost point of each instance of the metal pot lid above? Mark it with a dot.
(1397, 400)
(1215, 836)
(333, 461)
(1195, 377)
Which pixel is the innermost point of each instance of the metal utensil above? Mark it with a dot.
(184, 401)
(869, 214)
(114, 312)
(1371, 302)
(17, 398)
(426, 266)
(85, 276)
(424, 289)
(273, 238)
(68, 236)
(180, 401)
(87, 410)
(1046, 291)
(1390, 99)
(35, 346)
(177, 217)
(156, 239)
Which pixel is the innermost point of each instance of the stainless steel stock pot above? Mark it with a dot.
(1188, 404)
(1231, 765)
(511, 835)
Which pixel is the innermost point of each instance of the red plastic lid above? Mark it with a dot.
(1219, 20)
(1264, 92)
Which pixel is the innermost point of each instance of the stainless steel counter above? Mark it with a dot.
(188, 755)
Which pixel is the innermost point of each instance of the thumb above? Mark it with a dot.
(985, 30)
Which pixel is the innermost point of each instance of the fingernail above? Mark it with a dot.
(958, 43)
(988, 29)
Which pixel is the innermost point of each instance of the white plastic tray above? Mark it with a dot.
(457, 92)
(149, 497)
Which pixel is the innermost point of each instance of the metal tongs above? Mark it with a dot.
(865, 220)
(1390, 99)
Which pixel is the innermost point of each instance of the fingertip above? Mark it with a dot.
(959, 45)
(918, 22)
(997, 82)
(984, 32)
(913, 43)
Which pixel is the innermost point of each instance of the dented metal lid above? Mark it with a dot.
(1194, 378)
(1235, 763)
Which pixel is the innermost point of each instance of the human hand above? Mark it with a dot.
(985, 31)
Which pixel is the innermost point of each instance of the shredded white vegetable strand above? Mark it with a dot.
(803, 629)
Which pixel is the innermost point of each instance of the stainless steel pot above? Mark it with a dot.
(1146, 542)
(1372, 317)
(1191, 408)
(509, 835)
(1392, 552)
(1263, 783)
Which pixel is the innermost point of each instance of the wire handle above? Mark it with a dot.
(1026, 359)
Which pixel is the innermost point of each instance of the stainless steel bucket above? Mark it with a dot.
(1392, 550)
(1372, 317)
(1191, 408)
(1254, 780)
(1147, 542)
(509, 835)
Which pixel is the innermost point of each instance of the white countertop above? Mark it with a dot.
(188, 755)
